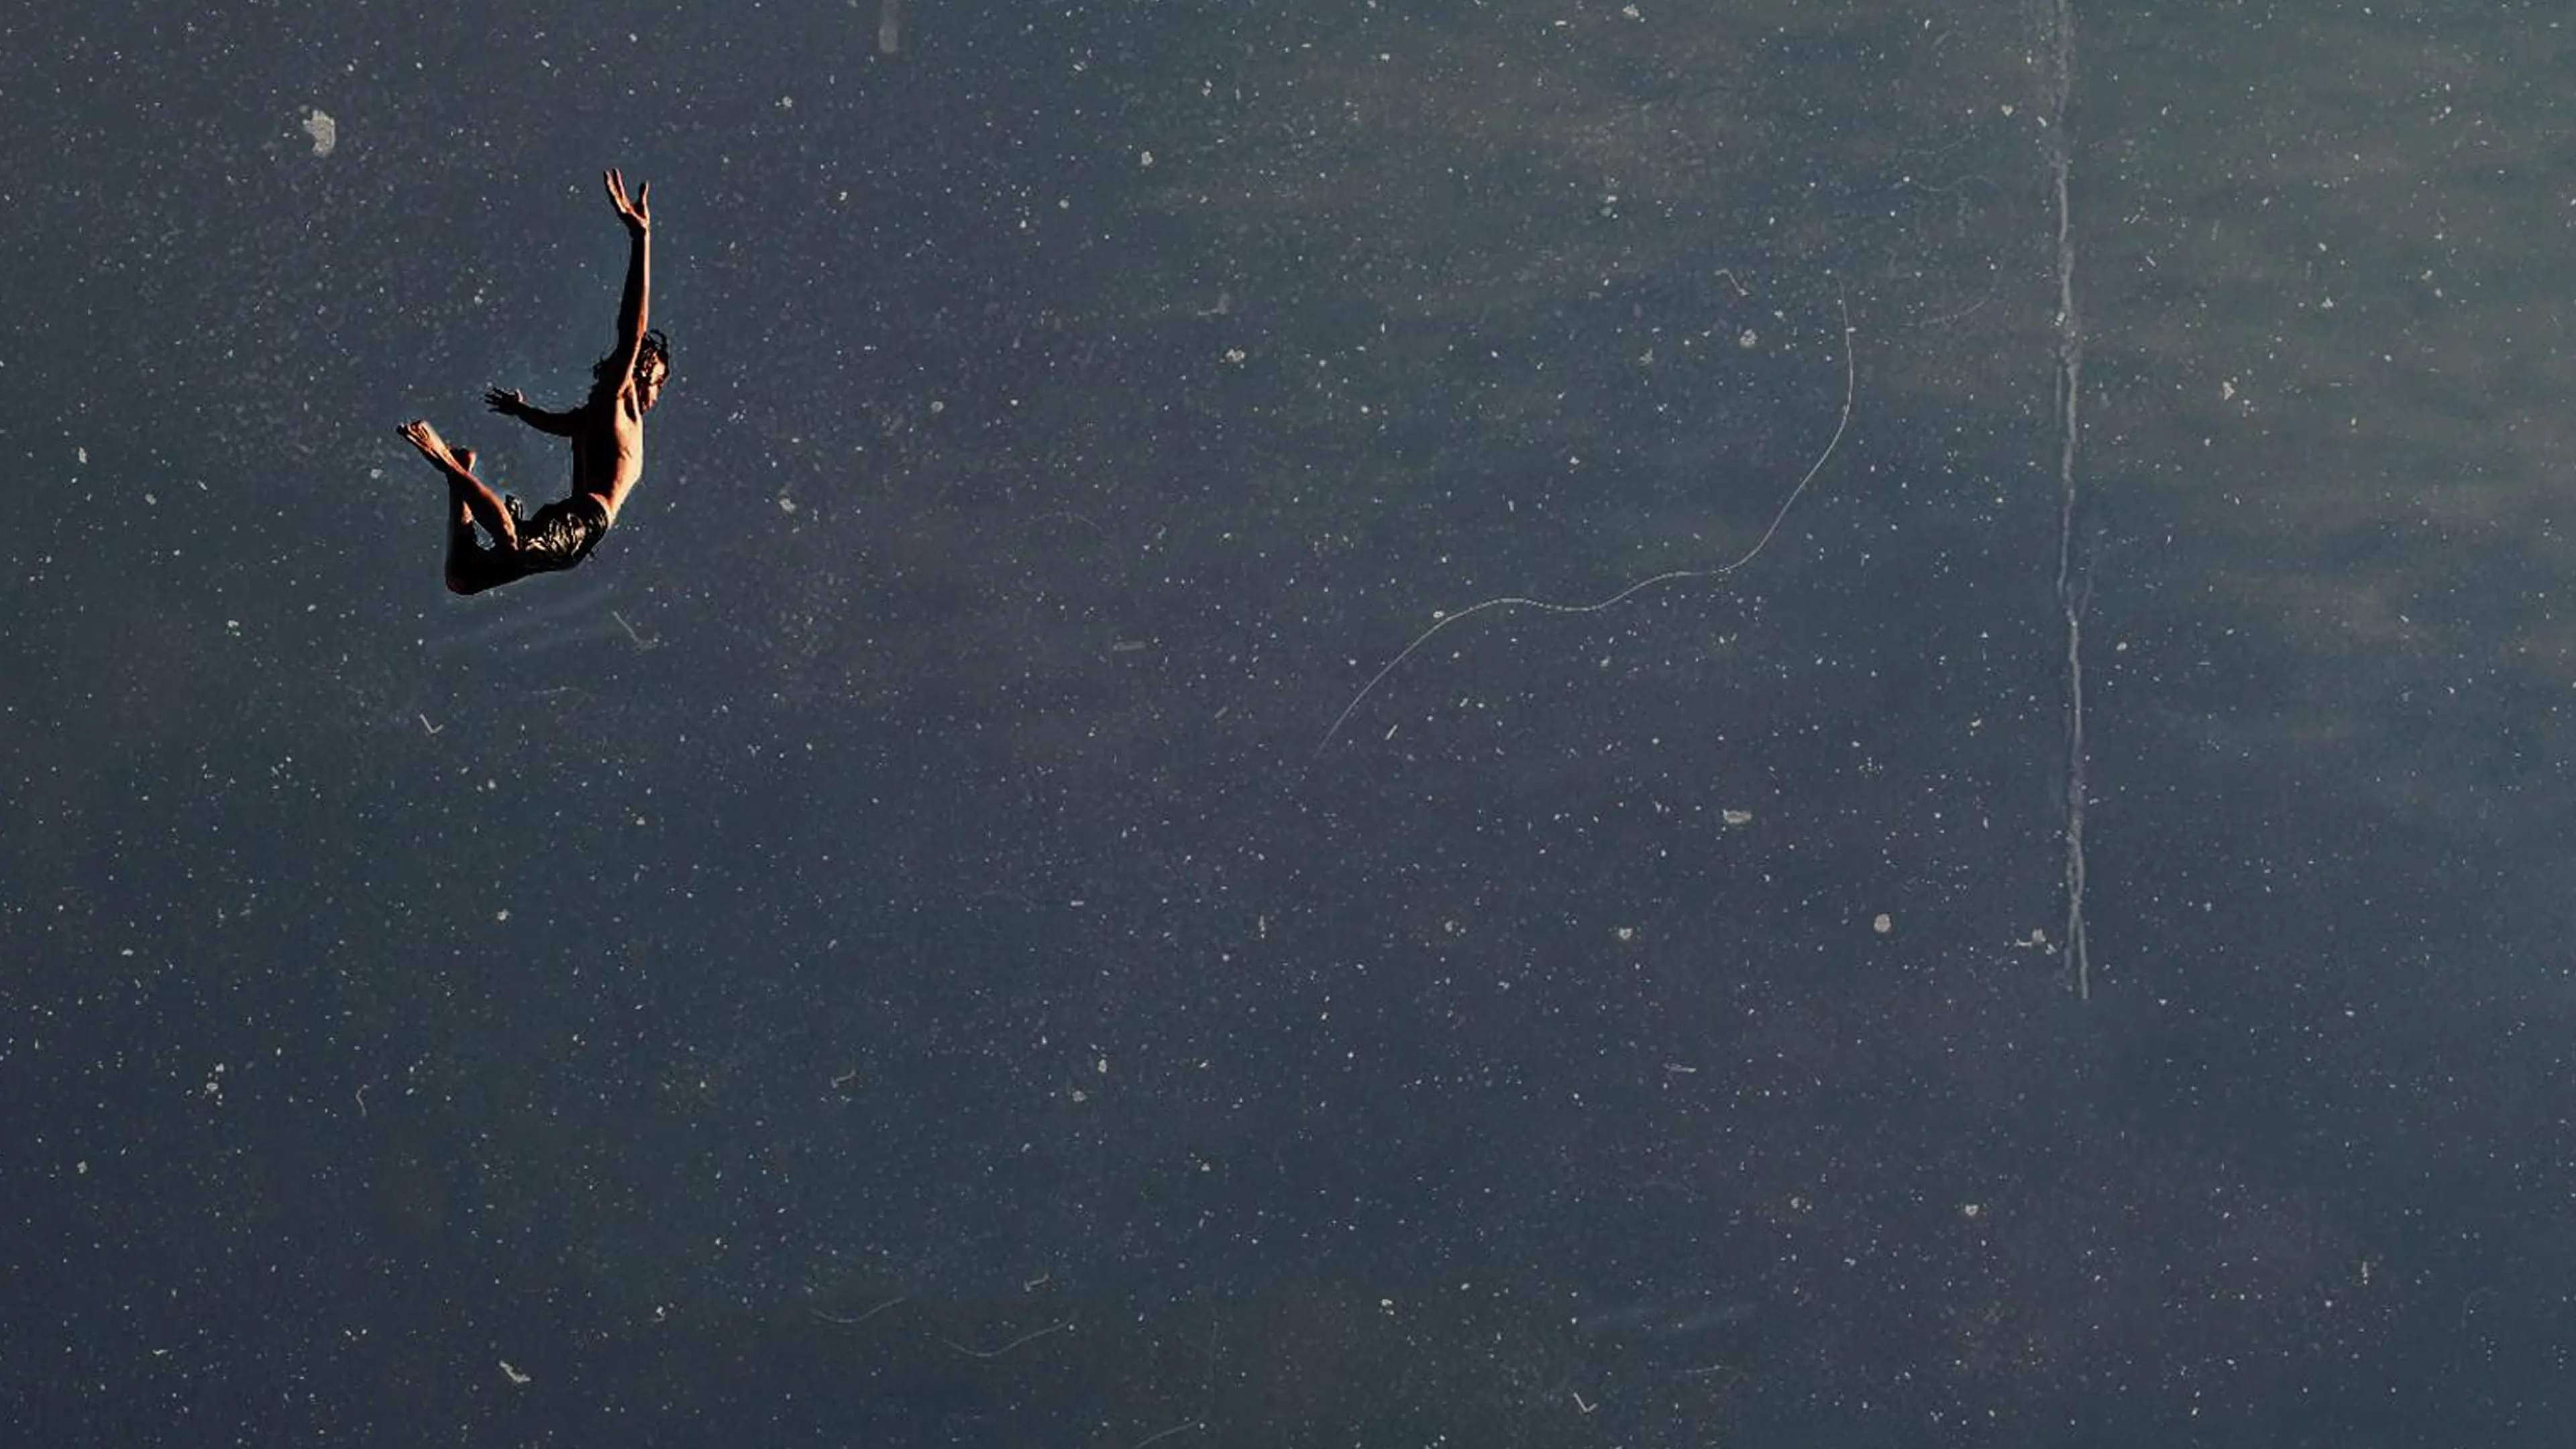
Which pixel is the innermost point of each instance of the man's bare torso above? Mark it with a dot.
(608, 447)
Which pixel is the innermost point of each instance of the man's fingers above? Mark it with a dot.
(616, 182)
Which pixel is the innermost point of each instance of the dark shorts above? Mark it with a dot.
(551, 540)
(561, 534)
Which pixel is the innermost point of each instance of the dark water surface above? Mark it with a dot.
(888, 953)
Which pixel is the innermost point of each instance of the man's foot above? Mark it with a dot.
(422, 436)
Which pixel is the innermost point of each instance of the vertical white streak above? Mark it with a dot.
(2073, 569)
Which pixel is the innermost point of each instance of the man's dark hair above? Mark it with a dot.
(656, 348)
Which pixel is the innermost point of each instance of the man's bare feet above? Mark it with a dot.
(421, 435)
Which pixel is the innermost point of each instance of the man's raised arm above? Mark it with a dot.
(633, 307)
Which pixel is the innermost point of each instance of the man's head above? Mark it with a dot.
(652, 368)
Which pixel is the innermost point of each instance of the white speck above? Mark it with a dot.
(324, 131)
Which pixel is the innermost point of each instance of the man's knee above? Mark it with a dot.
(475, 573)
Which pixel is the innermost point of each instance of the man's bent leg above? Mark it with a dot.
(464, 553)
(460, 508)
(462, 485)
(471, 568)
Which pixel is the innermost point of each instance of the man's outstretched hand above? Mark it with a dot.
(509, 404)
(636, 215)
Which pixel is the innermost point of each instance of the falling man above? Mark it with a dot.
(606, 431)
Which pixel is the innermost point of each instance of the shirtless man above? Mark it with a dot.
(607, 433)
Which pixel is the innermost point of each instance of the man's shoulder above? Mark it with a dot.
(614, 400)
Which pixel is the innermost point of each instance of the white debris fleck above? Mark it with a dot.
(324, 131)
